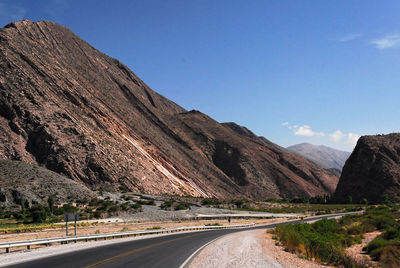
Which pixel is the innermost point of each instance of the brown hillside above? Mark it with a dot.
(66, 106)
(372, 171)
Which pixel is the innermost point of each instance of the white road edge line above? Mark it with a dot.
(188, 260)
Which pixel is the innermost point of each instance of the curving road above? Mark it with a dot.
(163, 251)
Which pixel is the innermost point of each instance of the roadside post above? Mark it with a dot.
(76, 218)
(66, 224)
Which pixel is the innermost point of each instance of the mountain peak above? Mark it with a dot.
(322, 155)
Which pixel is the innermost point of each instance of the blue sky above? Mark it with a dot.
(294, 71)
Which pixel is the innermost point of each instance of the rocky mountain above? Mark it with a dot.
(372, 171)
(70, 108)
(21, 181)
(323, 156)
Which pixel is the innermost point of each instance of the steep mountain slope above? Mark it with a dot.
(80, 113)
(372, 171)
(21, 181)
(324, 156)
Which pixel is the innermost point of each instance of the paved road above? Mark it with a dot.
(162, 251)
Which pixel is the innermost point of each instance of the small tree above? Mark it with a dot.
(39, 214)
(68, 208)
(23, 207)
(50, 202)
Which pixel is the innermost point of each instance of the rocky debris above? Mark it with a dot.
(323, 156)
(72, 109)
(372, 171)
(22, 182)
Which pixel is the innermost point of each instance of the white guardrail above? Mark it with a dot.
(64, 240)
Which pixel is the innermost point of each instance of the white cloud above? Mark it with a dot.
(349, 138)
(286, 124)
(352, 138)
(12, 12)
(306, 131)
(389, 41)
(349, 37)
(303, 130)
(337, 136)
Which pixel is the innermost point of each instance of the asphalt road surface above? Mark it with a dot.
(162, 251)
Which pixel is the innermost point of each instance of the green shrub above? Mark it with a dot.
(126, 198)
(382, 222)
(360, 228)
(327, 226)
(68, 208)
(124, 206)
(390, 257)
(97, 214)
(39, 214)
(147, 202)
(94, 202)
(375, 244)
(135, 206)
(113, 209)
(210, 201)
(182, 206)
(151, 203)
(214, 224)
(391, 233)
(167, 204)
(324, 240)
(240, 203)
(154, 228)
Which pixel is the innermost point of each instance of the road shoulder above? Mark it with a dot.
(241, 249)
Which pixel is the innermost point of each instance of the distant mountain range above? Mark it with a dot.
(324, 156)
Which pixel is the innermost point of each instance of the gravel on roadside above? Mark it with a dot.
(238, 250)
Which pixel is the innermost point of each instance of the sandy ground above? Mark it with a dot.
(356, 253)
(238, 250)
